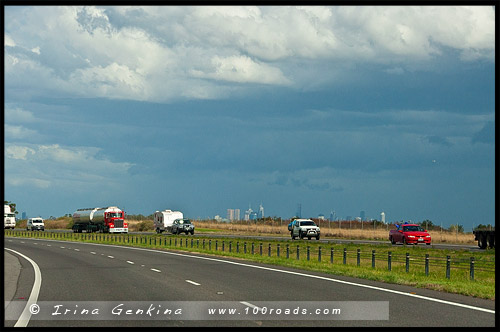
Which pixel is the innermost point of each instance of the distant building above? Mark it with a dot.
(233, 214)
(332, 215)
(382, 217)
(321, 217)
(260, 214)
(299, 211)
(362, 215)
(248, 213)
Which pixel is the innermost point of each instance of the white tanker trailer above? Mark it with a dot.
(106, 219)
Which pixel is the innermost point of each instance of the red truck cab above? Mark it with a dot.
(409, 234)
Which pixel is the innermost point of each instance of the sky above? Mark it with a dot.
(204, 109)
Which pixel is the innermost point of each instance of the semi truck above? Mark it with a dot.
(485, 238)
(163, 220)
(9, 218)
(109, 219)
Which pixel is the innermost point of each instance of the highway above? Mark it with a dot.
(63, 273)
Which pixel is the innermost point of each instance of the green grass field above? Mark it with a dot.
(372, 262)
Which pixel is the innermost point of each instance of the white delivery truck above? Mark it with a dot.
(9, 218)
(163, 220)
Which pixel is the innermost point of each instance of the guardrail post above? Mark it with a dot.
(389, 260)
(448, 264)
(298, 256)
(358, 257)
(287, 251)
(278, 250)
(216, 245)
(260, 246)
(373, 259)
(210, 244)
(203, 244)
(197, 243)
(269, 250)
(308, 253)
(191, 242)
(407, 262)
(230, 245)
(331, 255)
(253, 248)
(319, 254)
(345, 256)
(472, 268)
(237, 246)
(186, 242)
(427, 265)
(223, 245)
(245, 247)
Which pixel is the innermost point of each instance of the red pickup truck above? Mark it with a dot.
(409, 234)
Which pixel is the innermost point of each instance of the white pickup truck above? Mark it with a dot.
(302, 228)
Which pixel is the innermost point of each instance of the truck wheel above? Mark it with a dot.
(317, 237)
(192, 232)
(404, 240)
(300, 235)
(392, 240)
(309, 238)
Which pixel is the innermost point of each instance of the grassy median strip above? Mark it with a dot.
(454, 271)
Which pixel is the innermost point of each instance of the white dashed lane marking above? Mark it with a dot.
(155, 270)
(192, 282)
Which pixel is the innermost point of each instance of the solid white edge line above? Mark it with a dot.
(300, 274)
(26, 314)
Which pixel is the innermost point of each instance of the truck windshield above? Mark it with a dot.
(413, 229)
(307, 223)
(114, 215)
(185, 221)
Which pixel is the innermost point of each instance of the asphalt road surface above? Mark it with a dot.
(62, 278)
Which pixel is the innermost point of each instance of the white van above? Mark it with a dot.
(35, 224)
(163, 220)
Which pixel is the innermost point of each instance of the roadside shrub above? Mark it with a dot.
(143, 226)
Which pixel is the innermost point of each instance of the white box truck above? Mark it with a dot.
(9, 218)
(163, 220)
